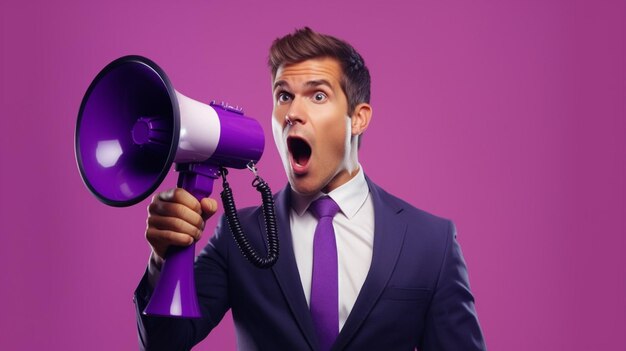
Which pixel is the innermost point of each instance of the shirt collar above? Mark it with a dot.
(349, 196)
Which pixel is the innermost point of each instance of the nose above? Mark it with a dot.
(296, 112)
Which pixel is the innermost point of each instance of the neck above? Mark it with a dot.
(350, 164)
(340, 179)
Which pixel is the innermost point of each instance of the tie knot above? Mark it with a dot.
(324, 207)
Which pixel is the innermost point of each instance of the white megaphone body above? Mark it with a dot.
(132, 126)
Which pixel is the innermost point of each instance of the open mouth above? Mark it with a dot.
(300, 151)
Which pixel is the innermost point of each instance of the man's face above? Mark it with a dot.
(316, 149)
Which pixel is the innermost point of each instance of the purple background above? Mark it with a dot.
(508, 117)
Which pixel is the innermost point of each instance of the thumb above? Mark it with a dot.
(209, 207)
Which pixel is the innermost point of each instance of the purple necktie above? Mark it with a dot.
(324, 282)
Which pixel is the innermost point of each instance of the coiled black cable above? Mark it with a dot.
(269, 217)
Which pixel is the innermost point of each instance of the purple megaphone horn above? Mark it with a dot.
(131, 127)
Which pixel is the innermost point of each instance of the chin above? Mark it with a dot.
(304, 187)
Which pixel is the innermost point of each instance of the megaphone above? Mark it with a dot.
(132, 125)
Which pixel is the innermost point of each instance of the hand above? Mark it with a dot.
(175, 217)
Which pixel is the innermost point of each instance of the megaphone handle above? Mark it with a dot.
(175, 293)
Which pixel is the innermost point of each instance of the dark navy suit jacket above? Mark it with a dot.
(416, 294)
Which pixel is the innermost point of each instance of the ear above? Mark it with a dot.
(361, 118)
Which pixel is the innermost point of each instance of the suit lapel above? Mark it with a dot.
(388, 238)
(286, 269)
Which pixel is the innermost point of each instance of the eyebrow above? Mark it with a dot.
(279, 83)
(317, 83)
(309, 84)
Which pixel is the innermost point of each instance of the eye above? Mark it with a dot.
(283, 97)
(320, 97)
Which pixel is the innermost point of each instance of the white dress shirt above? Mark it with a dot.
(354, 233)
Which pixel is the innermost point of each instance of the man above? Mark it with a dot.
(374, 273)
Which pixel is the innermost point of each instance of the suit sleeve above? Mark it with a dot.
(211, 278)
(451, 322)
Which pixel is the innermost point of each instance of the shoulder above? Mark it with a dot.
(406, 209)
(430, 234)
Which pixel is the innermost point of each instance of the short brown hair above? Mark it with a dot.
(305, 44)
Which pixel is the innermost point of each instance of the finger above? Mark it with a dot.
(172, 209)
(181, 196)
(209, 207)
(161, 239)
(175, 225)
